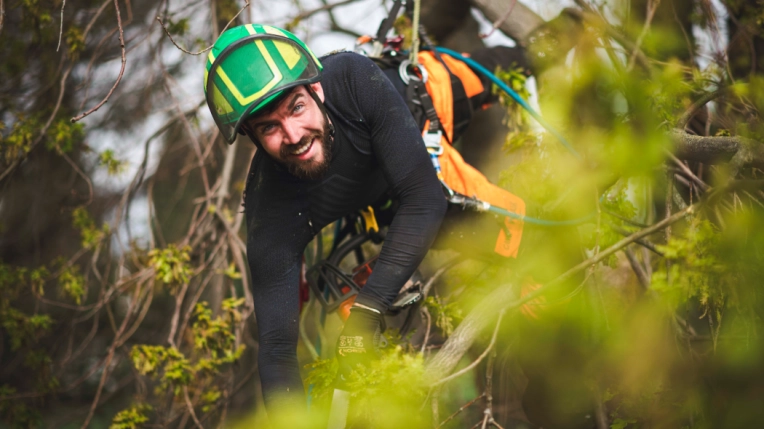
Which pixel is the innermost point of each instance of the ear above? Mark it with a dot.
(319, 90)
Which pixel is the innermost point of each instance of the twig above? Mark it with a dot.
(445, 267)
(429, 326)
(213, 44)
(81, 174)
(600, 413)
(109, 358)
(498, 22)
(190, 407)
(464, 407)
(609, 251)
(503, 298)
(45, 127)
(652, 6)
(637, 267)
(595, 18)
(434, 402)
(479, 359)
(121, 70)
(647, 244)
(686, 170)
(2, 15)
(60, 30)
(325, 7)
(488, 412)
(225, 176)
(176, 314)
(697, 105)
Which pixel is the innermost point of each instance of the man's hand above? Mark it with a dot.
(359, 340)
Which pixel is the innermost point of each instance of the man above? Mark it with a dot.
(333, 136)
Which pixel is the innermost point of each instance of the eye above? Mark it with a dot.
(298, 108)
(266, 129)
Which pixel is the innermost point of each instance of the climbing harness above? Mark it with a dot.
(387, 52)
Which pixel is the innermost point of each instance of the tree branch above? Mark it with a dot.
(121, 70)
(500, 21)
(502, 299)
(464, 407)
(698, 104)
(60, 30)
(522, 22)
(739, 151)
(480, 358)
(216, 35)
(326, 7)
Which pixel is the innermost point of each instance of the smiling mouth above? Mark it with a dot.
(302, 148)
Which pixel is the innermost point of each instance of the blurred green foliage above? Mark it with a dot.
(171, 264)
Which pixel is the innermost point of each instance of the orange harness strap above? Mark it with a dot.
(455, 172)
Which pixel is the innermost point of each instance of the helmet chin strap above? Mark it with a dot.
(323, 109)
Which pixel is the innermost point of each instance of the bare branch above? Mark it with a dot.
(593, 18)
(429, 326)
(190, 407)
(60, 30)
(45, 127)
(480, 358)
(502, 299)
(686, 170)
(110, 356)
(246, 5)
(500, 21)
(326, 7)
(644, 281)
(519, 26)
(698, 104)
(652, 6)
(121, 70)
(464, 407)
(81, 174)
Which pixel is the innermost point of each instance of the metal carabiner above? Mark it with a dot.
(406, 77)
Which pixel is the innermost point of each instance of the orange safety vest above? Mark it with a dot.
(456, 173)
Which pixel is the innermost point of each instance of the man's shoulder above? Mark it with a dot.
(340, 62)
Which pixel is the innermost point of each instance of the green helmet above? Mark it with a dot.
(248, 67)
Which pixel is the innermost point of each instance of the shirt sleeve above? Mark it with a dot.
(277, 233)
(397, 144)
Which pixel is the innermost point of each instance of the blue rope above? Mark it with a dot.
(475, 65)
(541, 222)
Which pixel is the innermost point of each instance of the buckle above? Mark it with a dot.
(432, 142)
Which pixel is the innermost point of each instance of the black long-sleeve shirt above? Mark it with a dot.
(377, 148)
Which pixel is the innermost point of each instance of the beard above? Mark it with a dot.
(311, 169)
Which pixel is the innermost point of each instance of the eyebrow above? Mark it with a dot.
(292, 102)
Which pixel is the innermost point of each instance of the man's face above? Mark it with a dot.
(295, 133)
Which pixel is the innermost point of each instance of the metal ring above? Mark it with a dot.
(406, 77)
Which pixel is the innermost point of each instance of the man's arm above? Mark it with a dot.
(397, 145)
(277, 233)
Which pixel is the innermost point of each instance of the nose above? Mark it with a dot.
(291, 132)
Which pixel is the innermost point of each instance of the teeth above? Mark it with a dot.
(302, 149)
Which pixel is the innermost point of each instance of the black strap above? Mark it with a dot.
(387, 23)
(428, 106)
(323, 109)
